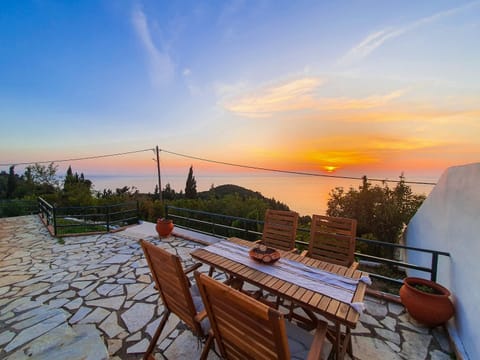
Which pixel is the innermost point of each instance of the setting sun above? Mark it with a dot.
(330, 168)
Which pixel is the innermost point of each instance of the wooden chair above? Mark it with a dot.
(244, 328)
(332, 239)
(177, 295)
(279, 232)
(280, 229)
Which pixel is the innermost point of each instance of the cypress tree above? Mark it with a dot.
(68, 177)
(11, 182)
(191, 185)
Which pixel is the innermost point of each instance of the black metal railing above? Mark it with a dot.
(47, 212)
(433, 269)
(251, 229)
(87, 219)
(214, 223)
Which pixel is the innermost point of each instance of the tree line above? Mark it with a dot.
(76, 190)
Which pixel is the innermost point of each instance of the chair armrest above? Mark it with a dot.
(304, 253)
(354, 265)
(315, 352)
(201, 315)
(193, 267)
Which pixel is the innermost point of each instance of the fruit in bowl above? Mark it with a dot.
(264, 254)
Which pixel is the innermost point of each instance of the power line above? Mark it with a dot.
(221, 163)
(289, 171)
(77, 159)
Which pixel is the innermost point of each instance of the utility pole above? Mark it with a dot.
(159, 179)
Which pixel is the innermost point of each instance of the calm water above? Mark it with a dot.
(304, 194)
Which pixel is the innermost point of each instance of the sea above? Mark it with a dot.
(306, 195)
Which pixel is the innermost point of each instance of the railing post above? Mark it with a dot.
(54, 213)
(108, 218)
(433, 275)
(138, 212)
(44, 213)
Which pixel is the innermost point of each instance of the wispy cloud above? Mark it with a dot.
(369, 102)
(374, 40)
(292, 95)
(300, 94)
(161, 65)
(418, 115)
(389, 143)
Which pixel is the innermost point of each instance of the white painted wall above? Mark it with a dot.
(449, 220)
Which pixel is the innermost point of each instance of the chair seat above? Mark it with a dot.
(199, 306)
(300, 341)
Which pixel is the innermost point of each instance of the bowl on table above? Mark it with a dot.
(264, 254)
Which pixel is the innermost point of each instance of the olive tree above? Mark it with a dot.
(381, 212)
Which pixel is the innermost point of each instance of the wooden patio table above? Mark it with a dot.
(340, 313)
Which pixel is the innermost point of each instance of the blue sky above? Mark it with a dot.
(354, 86)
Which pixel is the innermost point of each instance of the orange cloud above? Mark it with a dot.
(415, 113)
(293, 95)
(299, 95)
(368, 102)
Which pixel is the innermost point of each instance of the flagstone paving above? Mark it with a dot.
(93, 298)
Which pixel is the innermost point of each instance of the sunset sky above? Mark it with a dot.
(358, 87)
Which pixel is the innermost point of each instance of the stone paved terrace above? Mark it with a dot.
(92, 298)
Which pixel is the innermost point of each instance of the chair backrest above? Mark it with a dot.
(243, 327)
(172, 283)
(332, 239)
(280, 229)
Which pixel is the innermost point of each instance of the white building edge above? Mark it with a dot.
(449, 220)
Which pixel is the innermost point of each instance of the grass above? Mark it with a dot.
(65, 226)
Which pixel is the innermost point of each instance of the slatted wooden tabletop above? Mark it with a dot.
(330, 308)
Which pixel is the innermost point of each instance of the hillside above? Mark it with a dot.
(222, 191)
(229, 189)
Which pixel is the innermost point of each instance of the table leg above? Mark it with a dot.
(338, 341)
(211, 270)
(349, 342)
(309, 323)
(342, 342)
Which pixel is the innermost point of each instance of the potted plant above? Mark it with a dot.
(426, 301)
(164, 227)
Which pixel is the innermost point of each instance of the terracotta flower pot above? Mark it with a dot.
(430, 309)
(164, 227)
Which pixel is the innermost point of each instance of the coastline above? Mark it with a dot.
(306, 195)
